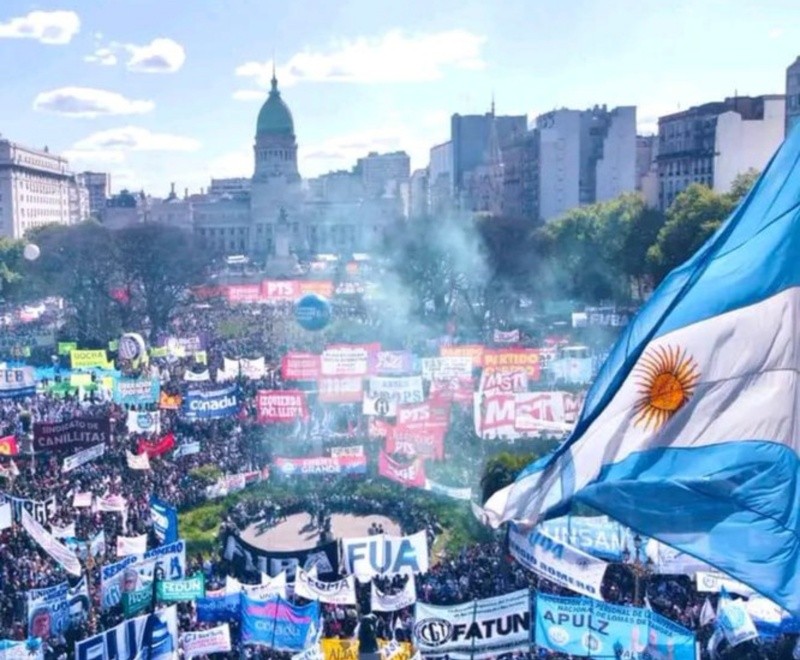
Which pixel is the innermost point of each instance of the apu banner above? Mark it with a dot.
(211, 404)
(585, 627)
(152, 636)
(74, 434)
(247, 558)
(369, 556)
(280, 406)
(17, 382)
(477, 629)
(559, 563)
(278, 624)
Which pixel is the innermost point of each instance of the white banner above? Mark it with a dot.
(456, 493)
(313, 652)
(17, 381)
(206, 642)
(112, 504)
(13, 650)
(510, 415)
(187, 449)
(136, 571)
(341, 592)
(445, 368)
(505, 336)
(191, 377)
(557, 562)
(57, 552)
(144, 422)
(477, 629)
(344, 361)
(5, 515)
(505, 381)
(375, 405)
(82, 500)
(138, 461)
(253, 369)
(131, 545)
(401, 389)
(381, 602)
(66, 532)
(83, 457)
(270, 586)
(153, 636)
(369, 556)
(709, 582)
(352, 450)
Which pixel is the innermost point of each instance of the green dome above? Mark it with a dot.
(274, 117)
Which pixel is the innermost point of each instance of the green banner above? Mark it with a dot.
(66, 347)
(134, 602)
(176, 590)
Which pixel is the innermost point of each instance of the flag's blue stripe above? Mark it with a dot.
(754, 255)
(734, 505)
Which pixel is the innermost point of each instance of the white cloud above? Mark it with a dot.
(47, 27)
(105, 156)
(775, 33)
(159, 56)
(89, 102)
(102, 56)
(392, 58)
(232, 164)
(135, 138)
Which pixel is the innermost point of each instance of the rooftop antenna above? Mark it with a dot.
(492, 103)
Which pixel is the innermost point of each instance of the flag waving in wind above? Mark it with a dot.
(690, 433)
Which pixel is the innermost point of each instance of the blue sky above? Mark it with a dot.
(156, 91)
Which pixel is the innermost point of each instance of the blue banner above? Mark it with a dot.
(136, 391)
(152, 636)
(211, 404)
(278, 624)
(596, 535)
(218, 607)
(589, 628)
(165, 520)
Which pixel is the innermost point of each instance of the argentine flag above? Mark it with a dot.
(690, 433)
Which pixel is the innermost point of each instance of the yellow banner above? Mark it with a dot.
(83, 359)
(346, 649)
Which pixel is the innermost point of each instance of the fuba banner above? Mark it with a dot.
(561, 564)
(210, 404)
(589, 628)
(478, 629)
(369, 556)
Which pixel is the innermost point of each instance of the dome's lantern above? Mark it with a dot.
(275, 117)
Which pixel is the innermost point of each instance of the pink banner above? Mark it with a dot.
(416, 439)
(412, 474)
(452, 390)
(243, 293)
(300, 366)
(278, 291)
(280, 405)
(340, 389)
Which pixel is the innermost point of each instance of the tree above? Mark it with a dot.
(742, 184)
(695, 214)
(159, 263)
(80, 264)
(501, 470)
(10, 262)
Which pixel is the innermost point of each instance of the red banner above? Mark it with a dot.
(416, 439)
(412, 474)
(474, 351)
(280, 405)
(340, 389)
(322, 288)
(8, 446)
(153, 449)
(243, 293)
(511, 359)
(278, 291)
(452, 390)
(300, 366)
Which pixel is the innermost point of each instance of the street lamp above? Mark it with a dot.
(641, 569)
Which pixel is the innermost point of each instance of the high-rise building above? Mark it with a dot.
(418, 194)
(440, 178)
(647, 168)
(383, 174)
(99, 186)
(470, 136)
(34, 189)
(712, 143)
(585, 156)
(792, 95)
(79, 200)
(232, 186)
(521, 178)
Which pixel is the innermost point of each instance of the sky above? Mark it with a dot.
(161, 91)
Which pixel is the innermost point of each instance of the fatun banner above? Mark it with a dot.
(477, 629)
(589, 628)
(71, 435)
(300, 366)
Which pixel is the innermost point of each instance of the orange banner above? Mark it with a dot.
(513, 358)
(474, 351)
(8, 446)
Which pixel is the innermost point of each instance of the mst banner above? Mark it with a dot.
(247, 558)
(71, 435)
(559, 563)
(589, 628)
(478, 629)
(369, 556)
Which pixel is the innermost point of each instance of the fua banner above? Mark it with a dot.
(478, 629)
(369, 556)
(559, 563)
(585, 627)
(211, 404)
(152, 636)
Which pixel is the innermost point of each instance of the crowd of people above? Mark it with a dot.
(236, 445)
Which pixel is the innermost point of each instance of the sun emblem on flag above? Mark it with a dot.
(666, 378)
